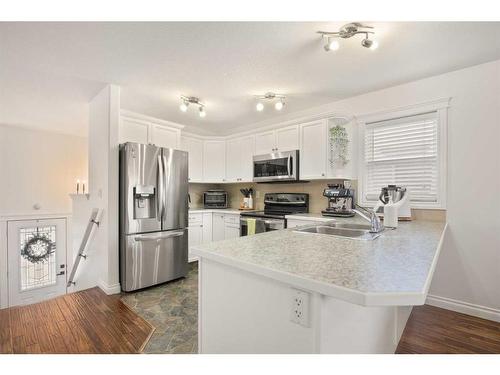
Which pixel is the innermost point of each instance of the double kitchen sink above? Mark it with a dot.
(346, 230)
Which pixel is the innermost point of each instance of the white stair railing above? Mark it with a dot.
(93, 224)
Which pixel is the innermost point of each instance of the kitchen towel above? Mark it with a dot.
(250, 226)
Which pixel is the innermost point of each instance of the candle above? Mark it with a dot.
(77, 186)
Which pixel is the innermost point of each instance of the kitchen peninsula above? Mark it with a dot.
(293, 292)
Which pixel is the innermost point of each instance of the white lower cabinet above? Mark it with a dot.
(231, 226)
(212, 226)
(195, 232)
(218, 231)
(207, 227)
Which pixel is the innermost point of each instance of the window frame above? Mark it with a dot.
(441, 108)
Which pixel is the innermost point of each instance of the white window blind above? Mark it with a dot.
(404, 152)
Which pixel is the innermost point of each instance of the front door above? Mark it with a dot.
(36, 260)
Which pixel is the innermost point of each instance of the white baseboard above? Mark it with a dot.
(464, 307)
(109, 289)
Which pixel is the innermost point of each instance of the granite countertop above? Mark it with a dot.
(310, 217)
(234, 211)
(394, 269)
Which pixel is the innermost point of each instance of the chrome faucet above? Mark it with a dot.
(376, 225)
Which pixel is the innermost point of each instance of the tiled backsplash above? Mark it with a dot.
(314, 188)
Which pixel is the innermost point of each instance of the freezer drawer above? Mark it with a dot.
(153, 258)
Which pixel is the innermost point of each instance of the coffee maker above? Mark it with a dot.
(340, 201)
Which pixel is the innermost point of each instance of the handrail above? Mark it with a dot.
(95, 218)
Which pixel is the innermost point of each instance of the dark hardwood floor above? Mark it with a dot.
(92, 322)
(84, 322)
(431, 330)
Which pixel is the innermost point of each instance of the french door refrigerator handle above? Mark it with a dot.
(159, 199)
(166, 174)
(148, 237)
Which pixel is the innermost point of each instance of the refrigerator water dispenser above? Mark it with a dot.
(144, 202)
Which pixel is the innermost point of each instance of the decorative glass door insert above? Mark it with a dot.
(36, 260)
(38, 256)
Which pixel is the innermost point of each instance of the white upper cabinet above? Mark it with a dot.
(313, 155)
(284, 139)
(135, 127)
(132, 130)
(247, 152)
(194, 147)
(214, 161)
(287, 139)
(233, 160)
(239, 159)
(163, 136)
(265, 143)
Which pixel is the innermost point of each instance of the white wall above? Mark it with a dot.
(39, 167)
(469, 266)
(103, 189)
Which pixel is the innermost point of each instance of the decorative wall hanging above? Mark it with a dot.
(339, 142)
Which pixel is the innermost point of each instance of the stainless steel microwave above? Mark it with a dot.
(278, 166)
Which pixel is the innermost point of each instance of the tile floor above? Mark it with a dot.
(172, 308)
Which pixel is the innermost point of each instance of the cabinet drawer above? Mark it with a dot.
(232, 219)
(195, 219)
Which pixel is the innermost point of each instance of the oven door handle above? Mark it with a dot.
(290, 166)
(244, 221)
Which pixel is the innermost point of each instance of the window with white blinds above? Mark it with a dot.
(405, 152)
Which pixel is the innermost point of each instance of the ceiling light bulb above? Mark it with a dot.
(368, 43)
(259, 107)
(202, 112)
(279, 105)
(183, 107)
(332, 45)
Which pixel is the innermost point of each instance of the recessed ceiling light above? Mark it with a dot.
(332, 45)
(259, 106)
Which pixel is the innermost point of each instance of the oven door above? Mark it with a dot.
(267, 224)
(280, 166)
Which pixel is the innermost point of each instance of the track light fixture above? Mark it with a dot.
(348, 31)
(187, 100)
(270, 96)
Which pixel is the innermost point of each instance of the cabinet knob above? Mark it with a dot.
(323, 174)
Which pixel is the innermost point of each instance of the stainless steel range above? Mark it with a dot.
(276, 207)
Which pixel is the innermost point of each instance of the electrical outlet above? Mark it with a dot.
(299, 312)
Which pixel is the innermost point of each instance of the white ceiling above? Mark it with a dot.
(49, 71)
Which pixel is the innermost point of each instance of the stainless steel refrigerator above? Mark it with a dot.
(153, 215)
